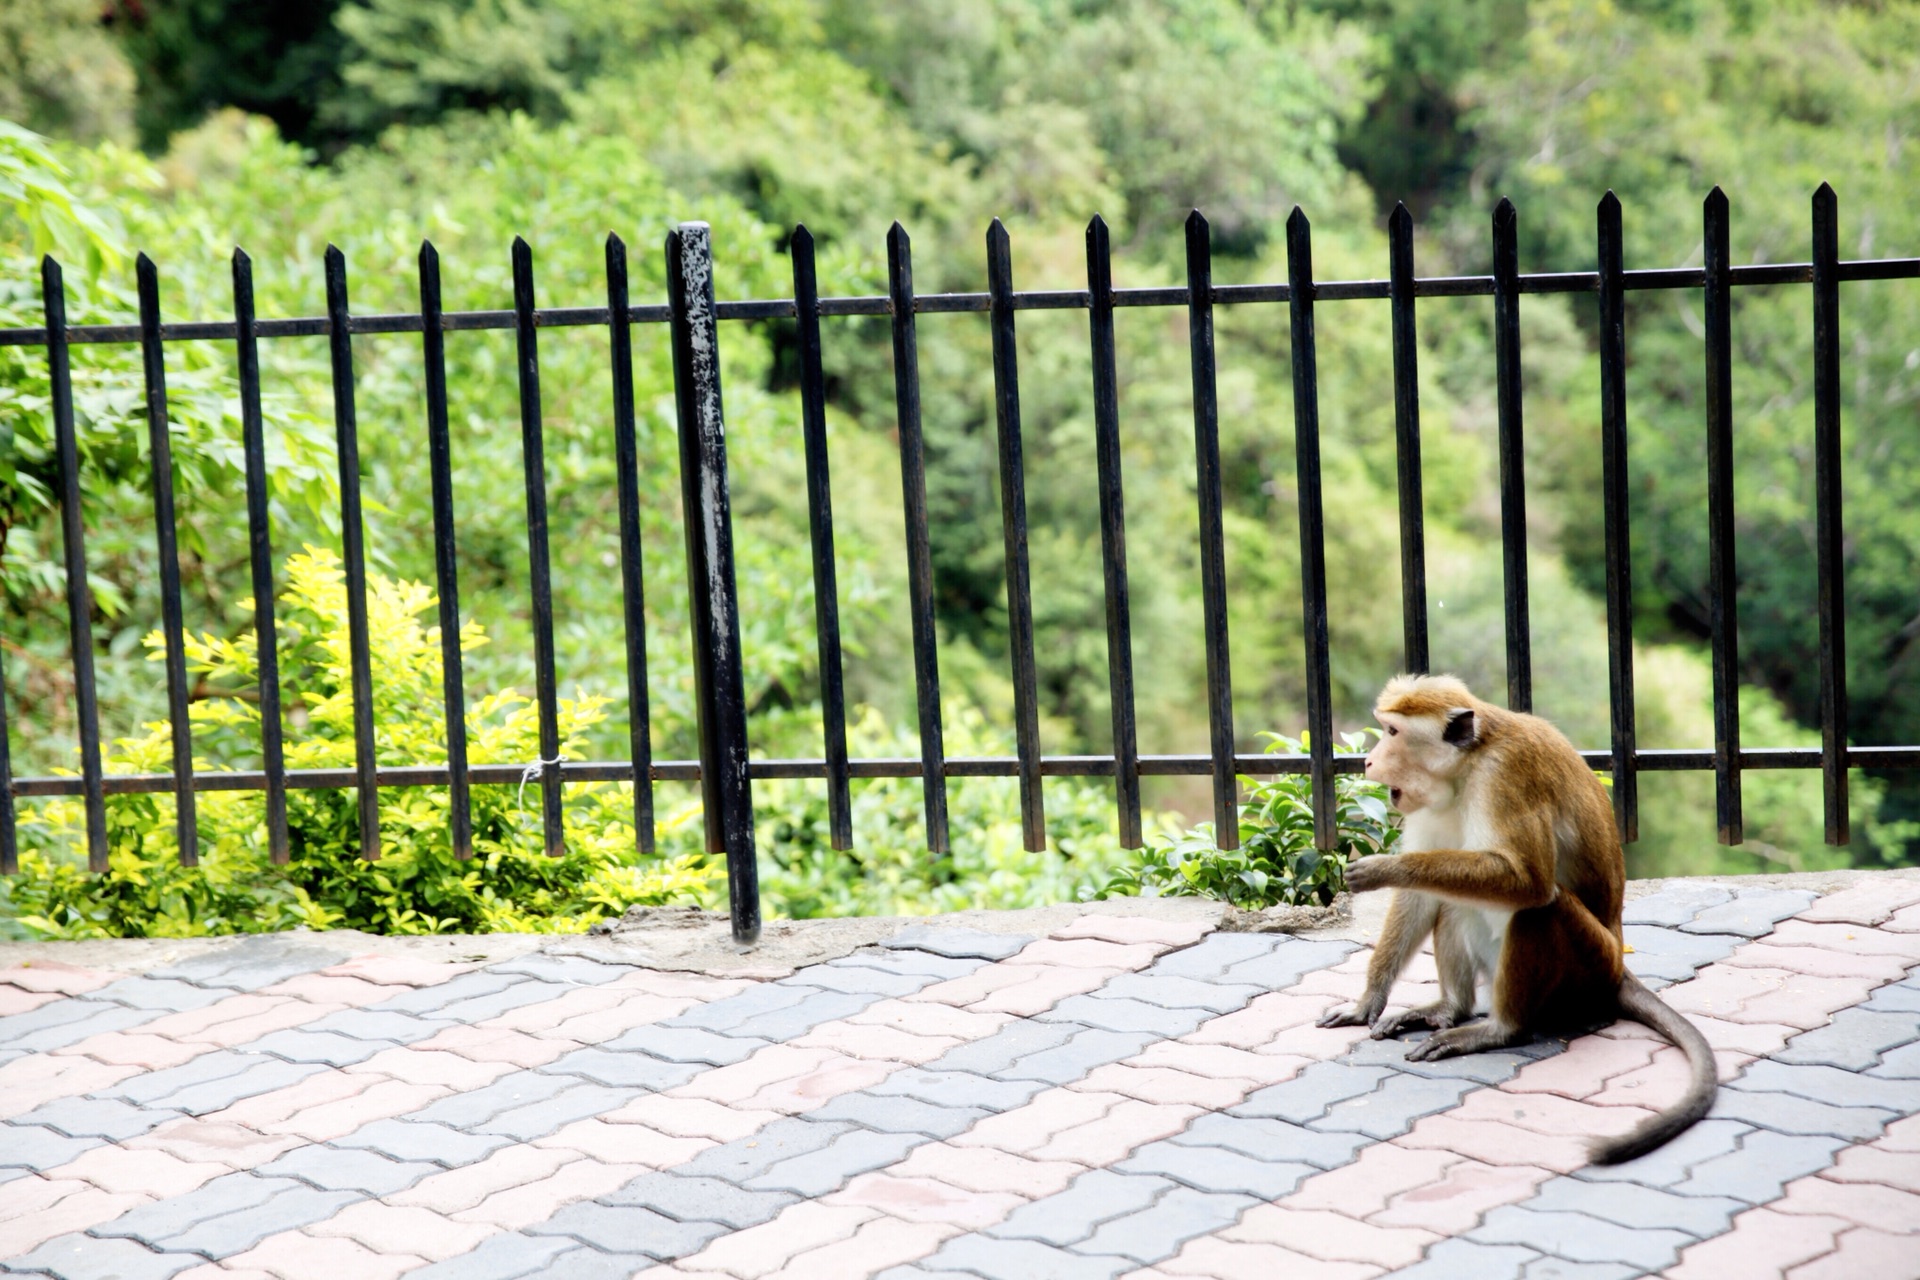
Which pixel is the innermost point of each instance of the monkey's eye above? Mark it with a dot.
(1392, 732)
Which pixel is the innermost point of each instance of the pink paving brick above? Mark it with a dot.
(1584, 1069)
(1547, 1113)
(984, 1169)
(1864, 904)
(399, 971)
(1048, 986)
(1864, 1252)
(876, 1246)
(1854, 939)
(760, 1250)
(1819, 962)
(1341, 985)
(88, 1207)
(1132, 929)
(27, 1082)
(216, 1141)
(1905, 920)
(36, 1193)
(262, 1111)
(1315, 1043)
(1265, 1017)
(1217, 1259)
(624, 1143)
(402, 1229)
(1331, 1237)
(432, 1067)
(927, 1200)
(1219, 1062)
(1463, 1194)
(230, 1032)
(601, 1013)
(1882, 1208)
(139, 1050)
(1379, 1173)
(872, 1041)
(743, 1079)
(487, 1044)
(934, 1020)
(1165, 1084)
(382, 1100)
(1024, 1129)
(331, 988)
(183, 1026)
(469, 1185)
(1742, 994)
(836, 1076)
(1875, 1165)
(1757, 1039)
(1663, 1081)
(1902, 1135)
(691, 1117)
(1113, 1137)
(153, 1173)
(1493, 1142)
(1762, 1243)
(295, 1255)
(537, 1201)
(14, 1000)
(1089, 953)
(54, 978)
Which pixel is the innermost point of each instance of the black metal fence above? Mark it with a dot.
(725, 768)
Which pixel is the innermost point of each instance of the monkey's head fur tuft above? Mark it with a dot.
(1429, 724)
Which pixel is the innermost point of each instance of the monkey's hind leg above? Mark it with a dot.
(1453, 957)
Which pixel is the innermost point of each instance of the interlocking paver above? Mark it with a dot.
(628, 1070)
(81, 1257)
(927, 1200)
(1160, 1229)
(1124, 1015)
(108, 1118)
(898, 1113)
(397, 1229)
(1464, 1192)
(1074, 1214)
(149, 1172)
(1331, 1237)
(1464, 1259)
(411, 1139)
(1580, 1238)
(1674, 904)
(861, 979)
(1210, 957)
(958, 1088)
(1751, 913)
(576, 970)
(1865, 904)
(1633, 1205)
(1308, 1095)
(925, 964)
(1173, 991)
(997, 1259)
(1785, 1113)
(958, 943)
(765, 1248)
(1765, 1163)
(1762, 1243)
(816, 1173)
(1829, 1084)
(629, 1229)
(1863, 1251)
(224, 1235)
(1394, 1106)
(347, 1169)
(543, 1116)
(36, 1146)
(1086, 1050)
(692, 1198)
(744, 1159)
(687, 1044)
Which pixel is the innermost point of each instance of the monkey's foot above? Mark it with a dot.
(1437, 1016)
(1360, 1014)
(1455, 1041)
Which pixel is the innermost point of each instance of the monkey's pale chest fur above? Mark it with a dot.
(1482, 928)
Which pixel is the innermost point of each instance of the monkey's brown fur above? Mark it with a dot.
(1511, 863)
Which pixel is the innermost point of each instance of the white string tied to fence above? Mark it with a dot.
(533, 773)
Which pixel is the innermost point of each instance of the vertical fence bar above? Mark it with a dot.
(1013, 531)
(446, 561)
(160, 458)
(260, 551)
(1406, 427)
(826, 586)
(633, 590)
(1513, 472)
(1213, 553)
(9, 840)
(73, 526)
(709, 526)
(1313, 555)
(1113, 531)
(1720, 558)
(1613, 471)
(1828, 547)
(353, 548)
(913, 489)
(539, 566)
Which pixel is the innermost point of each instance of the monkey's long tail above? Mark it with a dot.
(1647, 1009)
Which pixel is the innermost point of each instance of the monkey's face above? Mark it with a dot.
(1415, 760)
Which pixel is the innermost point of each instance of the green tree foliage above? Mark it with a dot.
(61, 71)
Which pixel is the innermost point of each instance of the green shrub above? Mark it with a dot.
(1276, 863)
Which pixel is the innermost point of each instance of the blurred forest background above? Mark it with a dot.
(184, 127)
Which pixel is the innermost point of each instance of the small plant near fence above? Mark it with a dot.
(1276, 863)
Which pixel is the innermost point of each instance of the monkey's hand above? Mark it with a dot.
(1437, 1016)
(1361, 1014)
(1374, 872)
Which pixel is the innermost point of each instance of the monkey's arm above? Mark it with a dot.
(1515, 874)
(1409, 920)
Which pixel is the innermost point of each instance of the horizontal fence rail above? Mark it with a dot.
(725, 770)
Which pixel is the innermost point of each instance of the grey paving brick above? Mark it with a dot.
(1829, 1085)
(1895, 997)
(538, 1119)
(956, 942)
(110, 1118)
(507, 1256)
(858, 980)
(1673, 954)
(479, 1008)
(35, 1146)
(160, 995)
(1271, 1140)
(1464, 1259)
(573, 970)
(256, 961)
(1210, 957)
(628, 1229)
(165, 1219)
(1764, 1164)
(818, 1172)
(440, 1144)
(917, 1271)
(687, 1044)
(897, 1113)
(1899, 1064)
(1125, 1015)
(993, 1054)
(818, 1007)
(1675, 904)
(1217, 1169)
(1789, 1113)
(300, 1044)
(994, 1258)
(477, 1106)
(1494, 1067)
(629, 1070)
(926, 964)
(376, 1024)
(1308, 1095)
(428, 1001)
(1090, 1047)
(1172, 991)
(1630, 1204)
(1158, 1231)
(81, 1257)
(731, 1013)
(1551, 1268)
(150, 1087)
(689, 1198)
(1391, 1109)
(1287, 963)
(259, 1075)
(744, 1159)
(1752, 913)
(55, 1013)
(1072, 1215)
(236, 1232)
(958, 1089)
(1580, 1238)
(101, 1017)
(1669, 1165)
(588, 1263)
(333, 1168)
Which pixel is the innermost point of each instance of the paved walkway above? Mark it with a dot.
(1126, 1097)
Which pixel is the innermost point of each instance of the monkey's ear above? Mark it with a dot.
(1460, 731)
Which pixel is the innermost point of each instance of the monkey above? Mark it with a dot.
(1510, 861)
